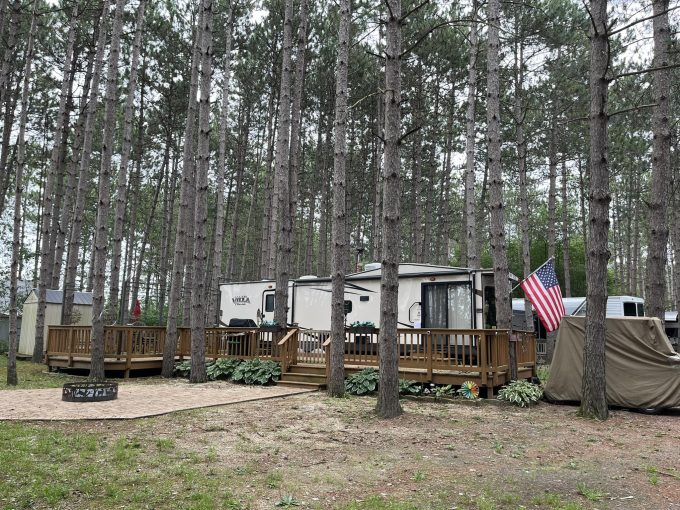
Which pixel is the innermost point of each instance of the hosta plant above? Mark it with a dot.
(183, 369)
(222, 368)
(521, 393)
(363, 382)
(407, 387)
(256, 371)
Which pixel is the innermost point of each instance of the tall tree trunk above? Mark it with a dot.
(240, 171)
(566, 257)
(552, 179)
(388, 394)
(594, 391)
(62, 200)
(46, 254)
(336, 380)
(103, 202)
(496, 205)
(84, 174)
(472, 256)
(121, 195)
(180, 257)
(168, 215)
(12, 378)
(655, 293)
(263, 271)
(198, 373)
(281, 196)
(216, 273)
(520, 142)
(296, 138)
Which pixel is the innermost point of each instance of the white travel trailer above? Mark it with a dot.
(429, 297)
(619, 306)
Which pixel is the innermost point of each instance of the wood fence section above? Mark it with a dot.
(444, 356)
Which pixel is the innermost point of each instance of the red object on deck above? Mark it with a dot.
(137, 311)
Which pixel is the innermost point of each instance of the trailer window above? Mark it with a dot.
(641, 309)
(269, 303)
(629, 309)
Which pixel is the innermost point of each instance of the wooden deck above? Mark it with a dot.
(440, 356)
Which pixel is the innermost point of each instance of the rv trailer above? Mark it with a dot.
(429, 297)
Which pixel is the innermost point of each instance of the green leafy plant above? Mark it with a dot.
(363, 382)
(256, 371)
(521, 393)
(444, 391)
(222, 368)
(288, 501)
(269, 324)
(407, 387)
(589, 493)
(362, 324)
(183, 369)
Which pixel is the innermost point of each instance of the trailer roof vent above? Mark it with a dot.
(372, 265)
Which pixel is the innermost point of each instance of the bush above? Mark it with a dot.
(407, 387)
(183, 369)
(363, 382)
(360, 324)
(4, 346)
(257, 371)
(444, 391)
(521, 393)
(223, 368)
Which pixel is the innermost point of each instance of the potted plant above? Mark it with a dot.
(270, 326)
(365, 328)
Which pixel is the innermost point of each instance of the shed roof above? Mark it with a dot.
(56, 297)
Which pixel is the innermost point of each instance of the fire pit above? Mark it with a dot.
(89, 391)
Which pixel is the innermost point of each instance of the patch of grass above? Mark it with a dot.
(419, 476)
(588, 492)
(288, 501)
(273, 480)
(485, 503)
(35, 376)
(380, 503)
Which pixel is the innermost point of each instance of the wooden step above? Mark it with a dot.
(300, 384)
(307, 369)
(307, 378)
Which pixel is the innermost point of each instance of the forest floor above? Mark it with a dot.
(310, 451)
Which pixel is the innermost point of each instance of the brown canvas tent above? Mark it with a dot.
(642, 369)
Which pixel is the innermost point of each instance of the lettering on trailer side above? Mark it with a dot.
(240, 300)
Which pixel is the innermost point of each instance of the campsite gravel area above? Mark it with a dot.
(329, 453)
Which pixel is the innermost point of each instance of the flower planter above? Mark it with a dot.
(362, 330)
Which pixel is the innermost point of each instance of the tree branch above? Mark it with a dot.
(379, 91)
(644, 71)
(428, 32)
(409, 133)
(375, 55)
(389, 8)
(379, 137)
(414, 10)
(641, 20)
(632, 108)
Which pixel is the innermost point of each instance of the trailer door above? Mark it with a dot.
(447, 305)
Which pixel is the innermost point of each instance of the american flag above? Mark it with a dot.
(543, 290)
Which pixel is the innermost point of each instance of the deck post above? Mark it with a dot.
(482, 360)
(70, 346)
(428, 354)
(128, 353)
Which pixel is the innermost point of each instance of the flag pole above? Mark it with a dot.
(539, 267)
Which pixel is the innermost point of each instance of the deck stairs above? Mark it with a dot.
(305, 376)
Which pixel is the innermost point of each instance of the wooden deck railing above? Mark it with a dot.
(476, 351)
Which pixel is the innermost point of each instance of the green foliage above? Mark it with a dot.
(222, 368)
(256, 371)
(363, 382)
(362, 324)
(269, 324)
(588, 492)
(4, 346)
(521, 393)
(444, 391)
(183, 369)
(288, 501)
(407, 387)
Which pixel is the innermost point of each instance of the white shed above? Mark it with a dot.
(82, 311)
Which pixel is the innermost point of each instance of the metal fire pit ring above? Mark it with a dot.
(89, 391)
